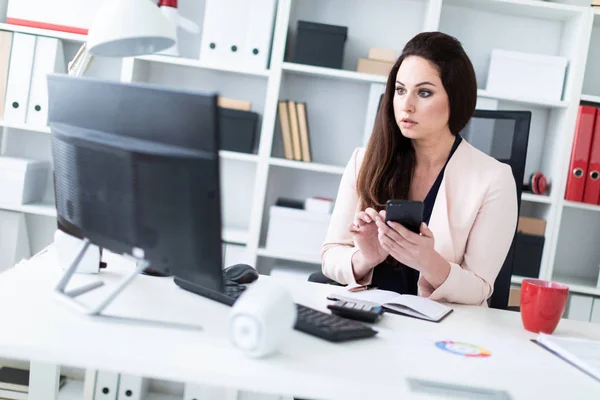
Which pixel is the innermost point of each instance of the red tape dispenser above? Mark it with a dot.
(537, 184)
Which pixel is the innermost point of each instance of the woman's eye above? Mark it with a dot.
(400, 90)
(425, 93)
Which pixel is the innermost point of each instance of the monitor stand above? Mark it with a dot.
(69, 297)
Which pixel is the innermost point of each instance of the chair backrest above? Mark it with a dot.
(503, 135)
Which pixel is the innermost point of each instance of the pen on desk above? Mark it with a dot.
(361, 288)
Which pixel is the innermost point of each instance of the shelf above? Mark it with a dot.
(230, 235)
(161, 396)
(536, 198)
(235, 236)
(189, 62)
(333, 73)
(575, 284)
(307, 166)
(25, 127)
(73, 390)
(234, 155)
(581, 206)
(71, 37)
(523, 8)
(521, 100)
(578, 284)
(590, 98)
(272, 254)
(46, 209)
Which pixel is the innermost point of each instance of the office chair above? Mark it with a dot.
(503, 135)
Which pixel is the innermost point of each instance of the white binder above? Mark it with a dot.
(132, 387)
(107, 384)
(223, 30)
(5, 46)
(214, 27)
(19, 78)
(49, 58)
(260, 18)
(14, 240)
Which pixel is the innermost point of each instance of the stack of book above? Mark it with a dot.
(294, 130)
(14, 383)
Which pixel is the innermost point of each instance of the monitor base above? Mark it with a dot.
(69, 296)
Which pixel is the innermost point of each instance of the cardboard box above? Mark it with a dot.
(374, 67)
(531, 226)
(388, 55)
(514, 297)
(234, 104)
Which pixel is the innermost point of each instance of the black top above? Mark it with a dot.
(398, 277)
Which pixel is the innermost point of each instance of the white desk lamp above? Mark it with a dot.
(122, 28)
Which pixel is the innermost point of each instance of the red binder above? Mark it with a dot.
(591, 193)
(580, 153)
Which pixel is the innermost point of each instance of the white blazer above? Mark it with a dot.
(473, 222)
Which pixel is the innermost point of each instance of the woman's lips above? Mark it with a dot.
(407, 123)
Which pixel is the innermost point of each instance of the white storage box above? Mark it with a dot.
(299, 233)
(21, 180)
(525, 75)
(14, 240)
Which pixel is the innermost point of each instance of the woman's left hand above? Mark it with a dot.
(409, 248)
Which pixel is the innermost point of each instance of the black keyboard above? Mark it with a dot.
(329, 326)
(313, 322)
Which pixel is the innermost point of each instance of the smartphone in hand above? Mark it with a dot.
(408, 213)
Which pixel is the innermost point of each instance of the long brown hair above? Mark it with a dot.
(389, 160)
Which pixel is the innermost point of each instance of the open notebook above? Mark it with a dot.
(414, 306)
(582, 353)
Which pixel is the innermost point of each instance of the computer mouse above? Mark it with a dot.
(240, 273)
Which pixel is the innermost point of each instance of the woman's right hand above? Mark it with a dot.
(364, 232)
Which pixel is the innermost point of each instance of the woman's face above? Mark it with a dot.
(421, 106)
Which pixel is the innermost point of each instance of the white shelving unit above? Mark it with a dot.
(312, 166)
(65, 36)
(333, 73)
(590, 98)
(73, 390)
(337, 101)
(46, 209)
(25, 127)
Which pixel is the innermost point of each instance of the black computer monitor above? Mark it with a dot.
(136, 166)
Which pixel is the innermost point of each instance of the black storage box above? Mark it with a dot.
(528, 255)
(238, 130)
(320, 44)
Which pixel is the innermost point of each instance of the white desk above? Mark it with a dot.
(38, 328)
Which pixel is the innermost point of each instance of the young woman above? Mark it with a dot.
(416, 153)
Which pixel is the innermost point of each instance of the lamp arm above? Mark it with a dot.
(81, 62)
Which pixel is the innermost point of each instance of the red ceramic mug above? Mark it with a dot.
(542, 304)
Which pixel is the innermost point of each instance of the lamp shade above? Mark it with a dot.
(128, 28)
